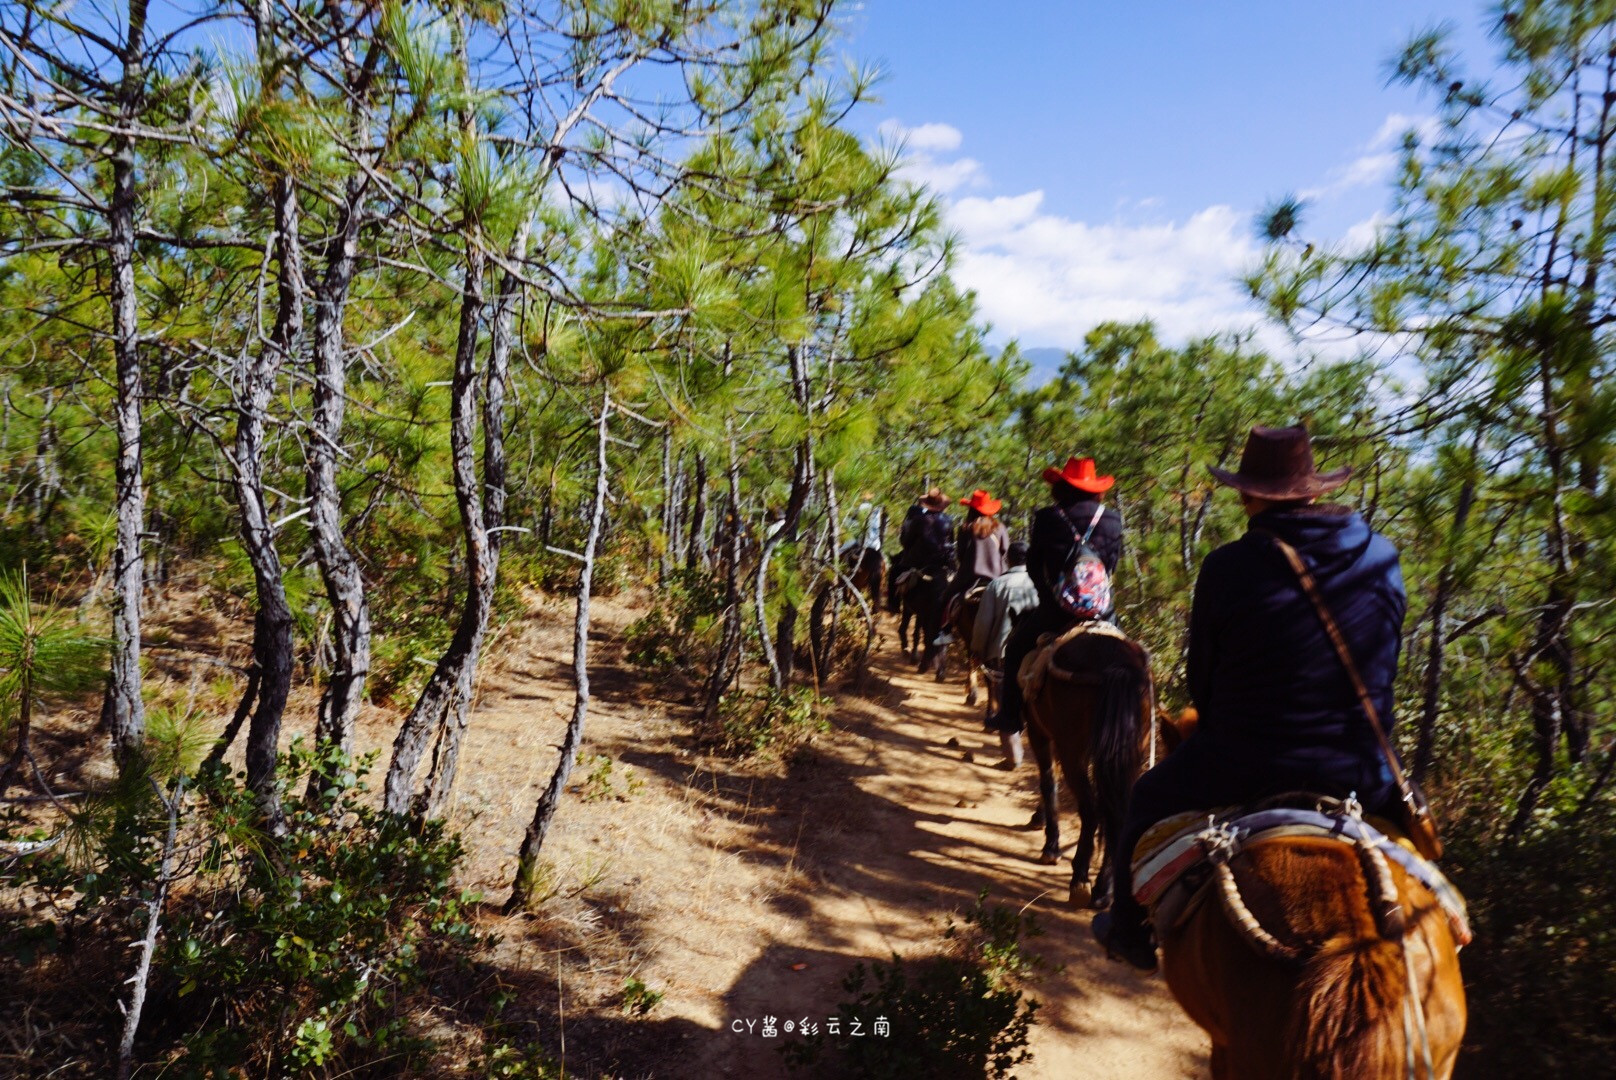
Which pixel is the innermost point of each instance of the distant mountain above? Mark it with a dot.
(1046, 364)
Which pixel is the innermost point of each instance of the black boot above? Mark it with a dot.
(1124, 940)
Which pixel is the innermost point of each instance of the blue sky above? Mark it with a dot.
(1105, 160)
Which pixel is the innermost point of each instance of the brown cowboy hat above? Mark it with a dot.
(934, 500)
(982, 503)
(1081, 474)
(1278, 464)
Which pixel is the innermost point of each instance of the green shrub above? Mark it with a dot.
(961, 1013)
(681, 628)
(288, 953)
(765, 721)
(1541, 975)
(598, 785)
(639, 999)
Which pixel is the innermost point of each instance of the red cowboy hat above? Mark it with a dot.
(1081, 474)
(982, 503)
(934, 500)
(1278, 464)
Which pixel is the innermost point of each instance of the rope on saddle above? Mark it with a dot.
(1040, 663)
(1414, 1021)
(1221, 842)
(1384, 904)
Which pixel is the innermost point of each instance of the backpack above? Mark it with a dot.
(1083, 589)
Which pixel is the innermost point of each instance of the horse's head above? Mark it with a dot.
(1176, 727)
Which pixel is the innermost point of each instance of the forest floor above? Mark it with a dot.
(738, 890)
(743, 891)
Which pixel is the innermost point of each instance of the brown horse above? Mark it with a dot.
(1305, 960)
(960, 623)
(1093, 713)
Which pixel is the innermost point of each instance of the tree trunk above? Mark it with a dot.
(440, 711)
(1436, 651)
(728, 661)
(780, 657)
(777, 655)
(695, 550)
(255, 386)
(544, 812)
(127, 711)
(339, 570)
(665, 557)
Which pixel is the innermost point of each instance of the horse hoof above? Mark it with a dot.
(1036, 821)
(1079, 897)
(1049, 858)
(970, 697)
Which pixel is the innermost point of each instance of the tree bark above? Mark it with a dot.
(440, 710)
(728, 661)
(544, 812)
(1436, 651)
(339, 570)
(695, 551)
(255, 386)
(127, 711)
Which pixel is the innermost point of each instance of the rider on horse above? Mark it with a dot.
(1278, 710)
(1056, 531)
(1008, 597)
(926, 539)
(981, 543)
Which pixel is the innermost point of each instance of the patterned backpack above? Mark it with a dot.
(1084, 588)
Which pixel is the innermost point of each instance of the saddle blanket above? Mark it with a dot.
(973, 595)
(1172, 848)
(1035, 668)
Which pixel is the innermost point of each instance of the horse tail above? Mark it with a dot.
(1118, 748)
(1348, 1018)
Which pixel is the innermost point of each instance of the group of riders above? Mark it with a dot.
(1280, 708)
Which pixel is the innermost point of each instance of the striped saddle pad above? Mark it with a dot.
(1177, 846)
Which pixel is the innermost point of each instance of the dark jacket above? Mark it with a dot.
(928, 540)
(1055, 532)
(1262, 670)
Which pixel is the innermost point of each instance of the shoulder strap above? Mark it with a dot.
(1311, 587)
(1099, 511)
(1083, 538)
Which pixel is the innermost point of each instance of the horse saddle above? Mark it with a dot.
(909, 579)
(1040, 665)
(1174, 861)
(973, 595)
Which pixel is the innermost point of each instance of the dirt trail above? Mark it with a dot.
(741, 896)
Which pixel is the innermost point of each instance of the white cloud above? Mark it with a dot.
(1378, 158)
(924, 139)
(1047, 279)
(920, 165)
(943, 177)
(1361, 234)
